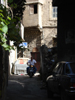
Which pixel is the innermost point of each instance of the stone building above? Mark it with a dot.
(40, 25)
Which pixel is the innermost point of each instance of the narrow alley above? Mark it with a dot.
(26, 88)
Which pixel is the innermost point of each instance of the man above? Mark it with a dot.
(33, 63)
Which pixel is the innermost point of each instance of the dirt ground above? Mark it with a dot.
(22, 87)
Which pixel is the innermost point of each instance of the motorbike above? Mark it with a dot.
(31, 71)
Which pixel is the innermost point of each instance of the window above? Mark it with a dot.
(72, 65)
(33, 9)
(67, 70)
(56, 68)
(60, 69)
(54, 12)
(63, 68)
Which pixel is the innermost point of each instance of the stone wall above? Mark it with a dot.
(33, 37)
(48, 20)
(49, 24)
(48, 34)
(37, 37)
(28, 18)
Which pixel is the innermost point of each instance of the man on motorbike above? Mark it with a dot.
(33, 63)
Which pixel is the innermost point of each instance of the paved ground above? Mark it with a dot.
(22, 87)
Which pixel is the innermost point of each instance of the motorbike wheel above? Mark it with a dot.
(31, 74)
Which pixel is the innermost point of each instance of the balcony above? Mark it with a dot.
(35, 1)
(33, 14)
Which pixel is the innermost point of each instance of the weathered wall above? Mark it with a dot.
(48, 34)
(33, 37)
(28, 18)
(49, 24)
(48, 20)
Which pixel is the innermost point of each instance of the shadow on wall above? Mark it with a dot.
(33, 37)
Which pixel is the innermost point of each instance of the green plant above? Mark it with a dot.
(9, 19)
